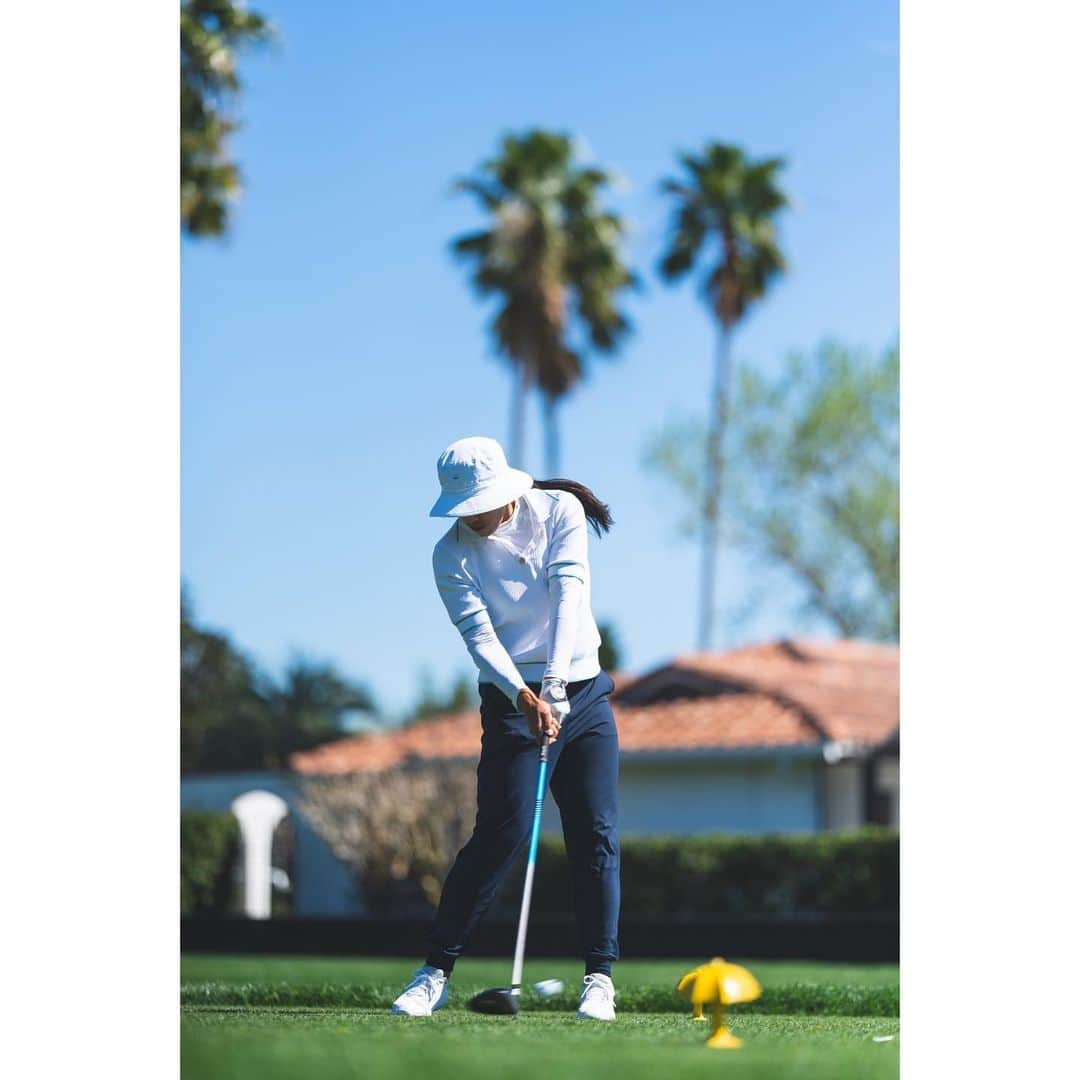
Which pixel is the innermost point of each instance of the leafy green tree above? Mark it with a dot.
(723, 221)
(235, 718)
(610, 650)
(551, 257)
(814, 481)
(462, 694)
(211, 32)
(225, 719)
(311, 705)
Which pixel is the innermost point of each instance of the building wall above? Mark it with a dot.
(745, 794)
(738, 794)
(322, 884)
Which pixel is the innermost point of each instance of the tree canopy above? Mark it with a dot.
(723, 216)
(211, 32)
(551, 257)
(461, 694)
(814, 480)
(610, 651)
(234, 717)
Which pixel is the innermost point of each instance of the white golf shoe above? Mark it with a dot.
(597, 998)
(427, 992)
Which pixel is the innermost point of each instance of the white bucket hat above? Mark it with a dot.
(475, 477)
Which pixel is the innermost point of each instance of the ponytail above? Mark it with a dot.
(596, 511)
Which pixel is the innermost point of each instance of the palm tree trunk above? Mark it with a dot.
(551, 436)
(714, 474)
(519, 388)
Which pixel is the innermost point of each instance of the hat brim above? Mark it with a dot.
(509, 487)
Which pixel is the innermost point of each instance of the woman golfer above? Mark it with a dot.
(513, 572)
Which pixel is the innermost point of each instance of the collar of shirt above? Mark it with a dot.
(521, 532)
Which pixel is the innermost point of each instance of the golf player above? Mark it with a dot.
(513, 573)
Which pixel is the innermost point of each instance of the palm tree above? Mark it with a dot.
(551, 256)
(211, 32)
(725, 206)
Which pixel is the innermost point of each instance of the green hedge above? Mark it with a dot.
(693, 876)
(209, 841)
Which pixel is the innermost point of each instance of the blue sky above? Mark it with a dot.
(331, 349)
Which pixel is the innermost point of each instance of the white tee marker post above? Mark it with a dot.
(258, 813)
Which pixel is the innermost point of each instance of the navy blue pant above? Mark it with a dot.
(583, 770)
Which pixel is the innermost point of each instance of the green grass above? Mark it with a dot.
(247, 1040)
(351, 970)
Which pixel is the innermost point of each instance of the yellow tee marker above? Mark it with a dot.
(718, 984)
(686, 988)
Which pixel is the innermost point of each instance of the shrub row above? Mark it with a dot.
(671, 877)
(209, 842)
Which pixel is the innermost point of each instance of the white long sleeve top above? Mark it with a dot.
(521, 597)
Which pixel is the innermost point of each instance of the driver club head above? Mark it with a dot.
(495, 1002)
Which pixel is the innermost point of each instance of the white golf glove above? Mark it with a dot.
(553, 691)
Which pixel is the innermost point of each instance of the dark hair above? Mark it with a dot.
(596, 511)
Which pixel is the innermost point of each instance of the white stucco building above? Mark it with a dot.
(785, 737)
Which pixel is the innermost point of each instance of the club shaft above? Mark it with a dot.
(526, 898)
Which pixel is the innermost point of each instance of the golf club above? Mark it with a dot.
(499, 1001)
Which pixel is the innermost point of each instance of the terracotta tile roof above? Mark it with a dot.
(451, 735)
(850, 690)
(783, 694)
(736, 722)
